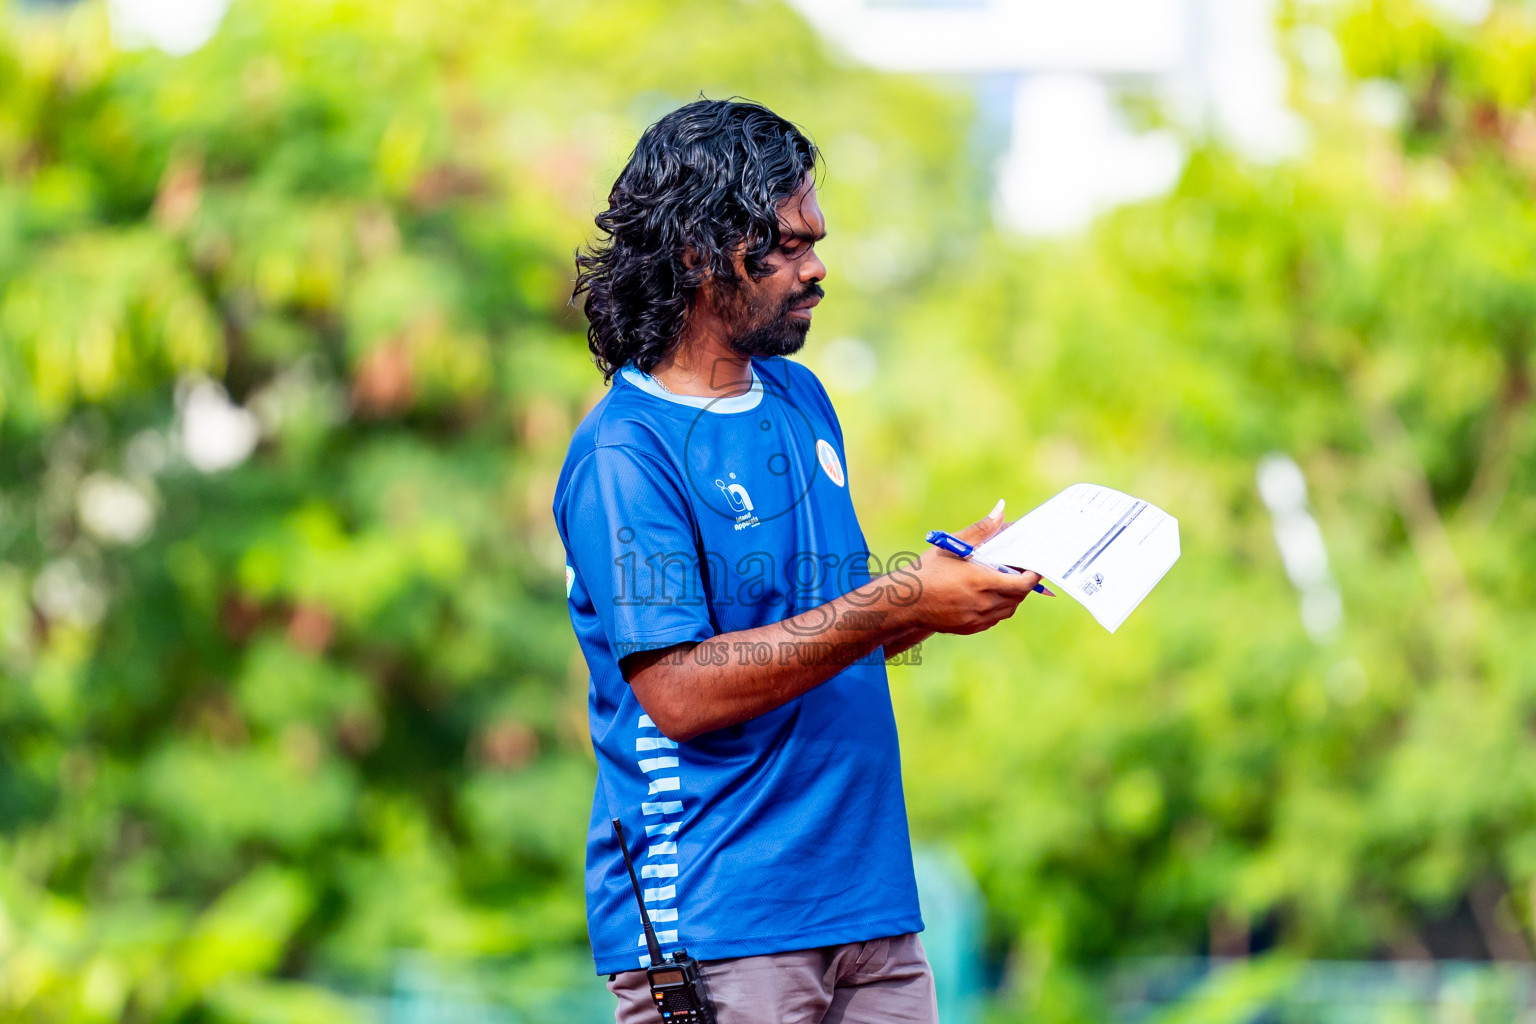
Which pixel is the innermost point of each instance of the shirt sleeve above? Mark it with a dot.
(631, 541)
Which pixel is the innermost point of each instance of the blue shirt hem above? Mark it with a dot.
(762, 945)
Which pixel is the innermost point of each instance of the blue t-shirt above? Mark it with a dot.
(685, 518)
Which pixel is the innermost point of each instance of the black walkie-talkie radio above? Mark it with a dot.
(675, 984)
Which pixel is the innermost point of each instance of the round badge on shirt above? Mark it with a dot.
(827, 456)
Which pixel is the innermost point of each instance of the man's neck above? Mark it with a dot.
(703, 366)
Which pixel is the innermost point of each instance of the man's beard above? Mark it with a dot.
(776, 334)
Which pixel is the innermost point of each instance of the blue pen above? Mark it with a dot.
(959, 548)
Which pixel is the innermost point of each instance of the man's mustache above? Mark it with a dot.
(795, 300)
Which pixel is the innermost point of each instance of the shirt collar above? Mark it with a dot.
(744, 402)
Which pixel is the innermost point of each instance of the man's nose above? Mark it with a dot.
(812, 269)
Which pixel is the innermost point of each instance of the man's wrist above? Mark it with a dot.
(902, 611)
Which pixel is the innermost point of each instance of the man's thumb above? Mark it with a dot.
(984, 528)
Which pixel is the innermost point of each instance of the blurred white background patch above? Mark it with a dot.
(63, 594)
(1470, 11)
(214, 432)
(115, 510)
(176, 26)
(1300, 540)
(1073, 157)
(1069, 153)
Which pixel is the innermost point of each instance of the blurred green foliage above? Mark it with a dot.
(270, 714)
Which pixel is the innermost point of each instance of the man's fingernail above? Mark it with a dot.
(997, 510)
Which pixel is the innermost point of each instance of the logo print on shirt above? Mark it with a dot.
(768, 445)
(740, 501)
(827, 456)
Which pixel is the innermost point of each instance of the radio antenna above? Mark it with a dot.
(650, 933)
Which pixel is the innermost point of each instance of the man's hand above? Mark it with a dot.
(958, 596)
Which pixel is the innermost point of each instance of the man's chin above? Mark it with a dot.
(782, 339)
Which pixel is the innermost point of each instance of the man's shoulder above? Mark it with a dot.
(788, 374)
(617, 426)
(800, 387)
(620, 420)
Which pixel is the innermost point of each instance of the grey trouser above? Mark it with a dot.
(882, 981)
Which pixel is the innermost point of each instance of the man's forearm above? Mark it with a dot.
(905, 642)
(734, 677)
(729, 679)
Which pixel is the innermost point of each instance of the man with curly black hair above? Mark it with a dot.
(735, 624)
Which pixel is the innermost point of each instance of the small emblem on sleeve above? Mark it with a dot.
(830, 464)
(570, 581)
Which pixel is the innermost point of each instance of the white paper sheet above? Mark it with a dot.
(1105, 549)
